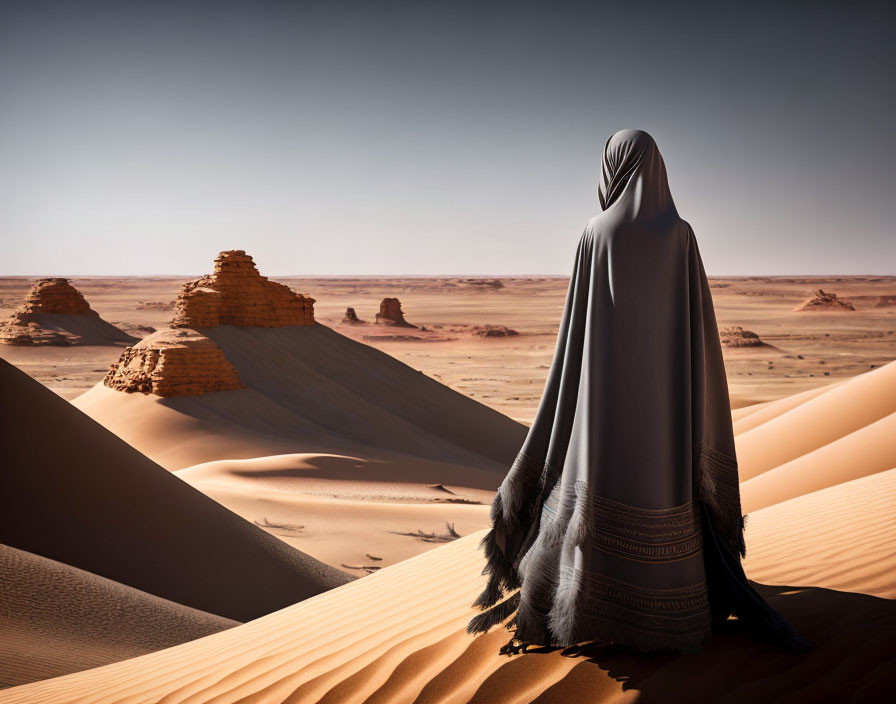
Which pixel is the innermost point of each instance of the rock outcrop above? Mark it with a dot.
(736, 336)
(391, 314)
(56, 296)
(173, 363)
(236, 294)
(155, 305)
(824, 301)
(351, 317)
(493, 331)
(56, 313)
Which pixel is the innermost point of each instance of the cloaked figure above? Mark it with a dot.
(620, 519)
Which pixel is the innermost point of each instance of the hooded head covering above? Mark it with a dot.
(633, 176)
(620, 518)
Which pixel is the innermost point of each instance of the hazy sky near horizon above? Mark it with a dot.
(431, 138)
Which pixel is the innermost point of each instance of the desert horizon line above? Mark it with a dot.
(819, 275)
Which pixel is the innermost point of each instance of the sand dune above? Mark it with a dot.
(749, 417)
(56, 619)
(839, 538)
(330, 435)
(397, 635)
(821, 465)
(865, 451)
(817, 421)
(310, 389)
(327, 507)
(87, 499)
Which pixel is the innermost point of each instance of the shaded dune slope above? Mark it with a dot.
(56, 619)
(74, 492)
(92, 330)
(311, 389)
(380, 639)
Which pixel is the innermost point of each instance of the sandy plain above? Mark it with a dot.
(806, 349)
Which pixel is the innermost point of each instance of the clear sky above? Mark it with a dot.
(429, 138)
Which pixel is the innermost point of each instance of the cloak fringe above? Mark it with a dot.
(564, 620)
(567, 523)
(484, 621)
(511, 511)
(517, 493)
(501, 575)
(719, 488)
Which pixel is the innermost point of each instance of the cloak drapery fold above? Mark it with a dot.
(600, 521)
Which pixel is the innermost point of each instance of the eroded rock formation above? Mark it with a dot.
(173, 363)
(155, 305)
(736, 336)
(236, 294)
(351, 317)
(56, 296)
(391, 314)
(493, 331)
(56, 313)
(825, 300)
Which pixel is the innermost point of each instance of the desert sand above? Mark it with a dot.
(398, 636)
(335, 459)
(56, 619)
(91, 501)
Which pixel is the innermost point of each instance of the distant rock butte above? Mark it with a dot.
(391, 314)
(351, 317)
(41, 320)
(173, 363)
(736, 336)
(824, 300)
(236, 294)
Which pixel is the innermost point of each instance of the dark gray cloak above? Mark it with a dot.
(620, 518)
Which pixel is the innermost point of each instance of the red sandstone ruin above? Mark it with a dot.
(56, 313)
(236, 294)
(173, 363)
(182, 361)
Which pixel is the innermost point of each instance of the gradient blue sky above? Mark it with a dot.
(432, 138)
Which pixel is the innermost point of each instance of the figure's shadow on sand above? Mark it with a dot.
(852, 660)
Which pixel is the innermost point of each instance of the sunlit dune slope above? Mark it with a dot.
(328, 506)
(840, 538)
(398, 636)
(310, 389)
(865, 451)
(751, 416)
(74, 492)
(818, 421)
(56, 619)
